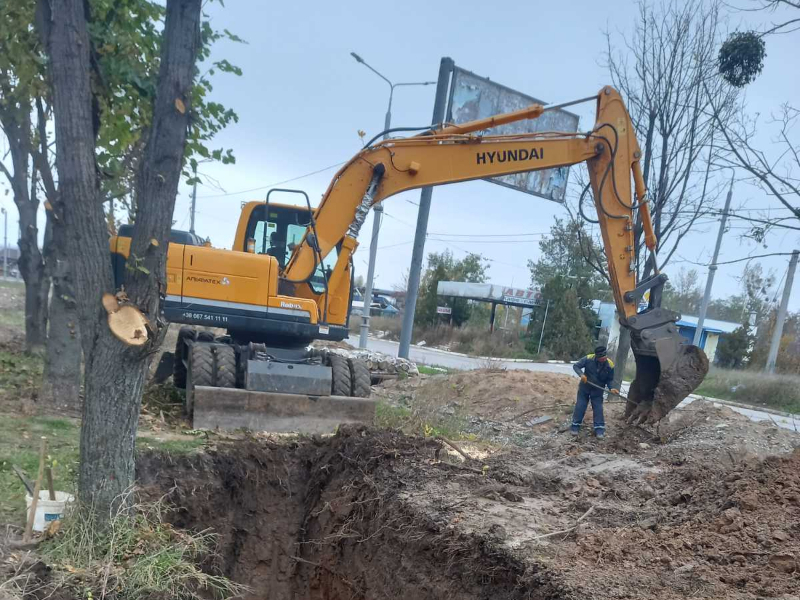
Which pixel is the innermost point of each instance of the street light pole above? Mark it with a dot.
(5, 243)
(194, 197)
(194, 192)
(378, 209)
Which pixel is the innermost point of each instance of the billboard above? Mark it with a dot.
(488, 292)
(474, 97)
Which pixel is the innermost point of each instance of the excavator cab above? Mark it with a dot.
(277, 229)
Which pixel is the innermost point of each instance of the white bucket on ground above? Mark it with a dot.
(47, 510)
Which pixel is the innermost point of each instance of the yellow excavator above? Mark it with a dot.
(288, 280)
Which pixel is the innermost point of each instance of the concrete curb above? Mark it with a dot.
(755, 407)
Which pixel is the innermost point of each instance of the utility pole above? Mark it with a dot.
(378, 209)
(772, 357)
(544, 322)
(5, 243)
(194, 197)
(377, 217)
(712, 269)
(439, 106)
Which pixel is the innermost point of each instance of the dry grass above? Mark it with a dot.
(134, 554)
(781, 392)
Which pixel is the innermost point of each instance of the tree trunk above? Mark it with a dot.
(114, 374)
(37, 288)
(61, 383)
(32, 269)
(16, 122)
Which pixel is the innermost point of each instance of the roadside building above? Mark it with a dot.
(713, 329)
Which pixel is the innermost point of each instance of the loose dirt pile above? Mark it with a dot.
(705, 506)
(491, 394)
(532, 410)
(716, 533)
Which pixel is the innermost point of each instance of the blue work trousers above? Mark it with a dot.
(581, 404)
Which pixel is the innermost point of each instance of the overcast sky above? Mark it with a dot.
(303, 98)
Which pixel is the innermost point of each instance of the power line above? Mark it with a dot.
(499, 262)
(480, 235)
(271, 185)
(738, 260)
(395, 245)
(396, 219)
(485, 241)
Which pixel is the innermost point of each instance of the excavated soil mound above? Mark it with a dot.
(710, 533)
(492, 394)
(326, 518)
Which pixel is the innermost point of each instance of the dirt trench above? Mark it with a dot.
(325, 518)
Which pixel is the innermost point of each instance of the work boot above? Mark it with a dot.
(574, 432)
(600, 434)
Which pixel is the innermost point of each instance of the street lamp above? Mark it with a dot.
(376, 223)
(388, 121)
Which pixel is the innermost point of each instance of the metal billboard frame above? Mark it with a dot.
(449, 119)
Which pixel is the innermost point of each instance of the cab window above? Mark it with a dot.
(277, 234)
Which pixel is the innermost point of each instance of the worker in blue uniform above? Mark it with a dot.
(596, 369)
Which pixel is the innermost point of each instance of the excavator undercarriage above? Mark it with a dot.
(250, 385)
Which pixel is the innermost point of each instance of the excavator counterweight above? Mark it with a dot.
(288, 279)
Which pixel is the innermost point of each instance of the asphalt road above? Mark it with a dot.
(441, 358)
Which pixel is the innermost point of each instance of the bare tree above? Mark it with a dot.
(787, 23)
(660, 70)
(776, 171)
(115, 372)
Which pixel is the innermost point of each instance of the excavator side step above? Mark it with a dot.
(230, 409)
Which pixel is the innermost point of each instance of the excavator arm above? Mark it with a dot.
(667, 369)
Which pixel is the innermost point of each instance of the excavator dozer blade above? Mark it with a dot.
(666, 373)
(230, 409)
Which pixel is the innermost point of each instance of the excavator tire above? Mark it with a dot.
(179, 364)
(201, 372)
(225, 357)
(655, 390)
(360, 378)
(341, 385)
(205, 336)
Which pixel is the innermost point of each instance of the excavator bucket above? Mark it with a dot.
(667, 371)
